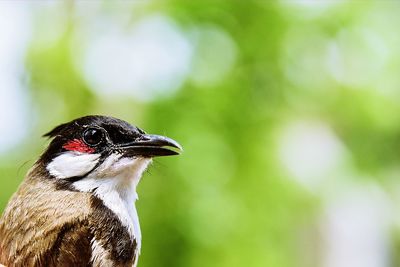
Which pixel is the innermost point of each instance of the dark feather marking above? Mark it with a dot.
(71, 248)
(112, 235)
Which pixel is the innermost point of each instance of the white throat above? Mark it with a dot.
(114, 182)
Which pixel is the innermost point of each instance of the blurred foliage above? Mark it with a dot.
(227, 201)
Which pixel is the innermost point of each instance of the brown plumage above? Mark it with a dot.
(34, 231)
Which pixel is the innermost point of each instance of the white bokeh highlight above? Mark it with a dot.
(14, 34)
(148, 61)
(310, 9)
(350, 55)
(356, 227)
(311, 152)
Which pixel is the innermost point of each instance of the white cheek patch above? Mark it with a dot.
(111, 166)
(71, 164)
(117, 166)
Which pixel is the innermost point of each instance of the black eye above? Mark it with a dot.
(93, 136)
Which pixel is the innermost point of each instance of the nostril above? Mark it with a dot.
(143, 138)
(140, 131)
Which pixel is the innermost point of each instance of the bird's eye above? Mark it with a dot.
(93, 136)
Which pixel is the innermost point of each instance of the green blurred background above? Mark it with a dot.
(288, 112)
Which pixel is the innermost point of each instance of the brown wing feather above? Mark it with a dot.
(71, 248)
(43, 226)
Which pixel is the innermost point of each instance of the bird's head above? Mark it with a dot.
(101, 146)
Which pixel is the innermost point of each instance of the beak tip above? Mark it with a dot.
(179, 147)
(168, 142)
(175, 147)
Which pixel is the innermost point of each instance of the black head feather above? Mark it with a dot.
(115, 131)
(56, 130)
(105, 136)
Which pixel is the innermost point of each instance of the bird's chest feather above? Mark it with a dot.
(117, 231)
(114, 242)
(114, 219)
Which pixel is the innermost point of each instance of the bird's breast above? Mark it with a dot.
(113, 241)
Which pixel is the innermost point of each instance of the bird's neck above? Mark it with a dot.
(118, 193)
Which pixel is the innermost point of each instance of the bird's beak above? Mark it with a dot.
(150, 145)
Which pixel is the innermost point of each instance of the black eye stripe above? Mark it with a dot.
(93, 136)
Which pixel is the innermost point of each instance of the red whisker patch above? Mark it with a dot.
(79, 146)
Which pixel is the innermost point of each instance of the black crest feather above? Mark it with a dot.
(56, 131)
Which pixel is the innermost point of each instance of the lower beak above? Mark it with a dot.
(150, 145)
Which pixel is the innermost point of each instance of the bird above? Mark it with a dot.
(76, 205)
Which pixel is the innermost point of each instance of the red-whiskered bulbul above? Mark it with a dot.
(76, 206)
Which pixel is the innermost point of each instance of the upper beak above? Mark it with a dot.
(150, 145)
